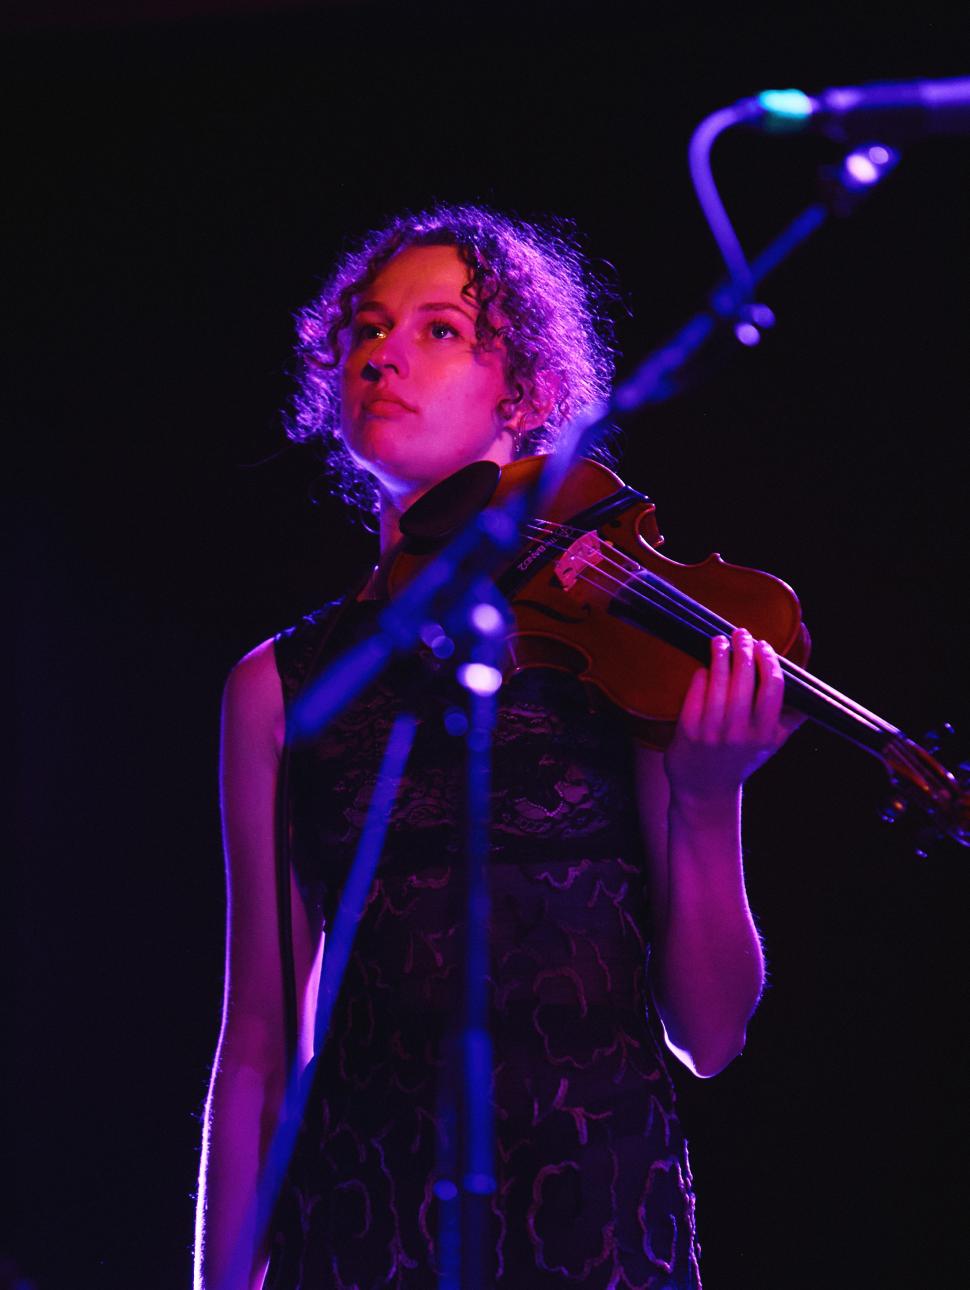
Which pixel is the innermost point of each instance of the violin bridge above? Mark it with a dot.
(584, 552)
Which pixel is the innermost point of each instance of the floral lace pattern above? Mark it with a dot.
(594, 1186)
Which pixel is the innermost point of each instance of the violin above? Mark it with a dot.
(591, 593)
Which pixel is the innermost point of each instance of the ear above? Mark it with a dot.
(530, 405)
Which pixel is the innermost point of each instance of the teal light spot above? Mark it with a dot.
(792, 105)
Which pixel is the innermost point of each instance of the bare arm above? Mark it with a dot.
(707, 968)
(246, 1090)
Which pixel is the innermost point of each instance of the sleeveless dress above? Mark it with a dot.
(594, 1186)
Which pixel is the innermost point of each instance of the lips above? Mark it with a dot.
(386, 405)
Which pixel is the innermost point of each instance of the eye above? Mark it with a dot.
(368, 331)
(441, 330)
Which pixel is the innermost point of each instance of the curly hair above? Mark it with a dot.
(556, 335)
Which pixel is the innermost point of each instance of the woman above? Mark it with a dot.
(453, 337)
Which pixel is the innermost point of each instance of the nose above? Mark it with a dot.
(387, 356)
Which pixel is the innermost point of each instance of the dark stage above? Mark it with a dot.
(175, 187)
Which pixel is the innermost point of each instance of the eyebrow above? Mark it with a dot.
(432, 306)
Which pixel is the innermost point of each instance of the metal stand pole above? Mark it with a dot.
(466, 1194)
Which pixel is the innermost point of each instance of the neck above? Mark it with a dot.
(390, 538)
(393, 506)
(390, 530)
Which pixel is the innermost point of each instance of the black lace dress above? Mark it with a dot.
(594, 1187)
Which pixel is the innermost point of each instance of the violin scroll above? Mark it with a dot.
(922, 786)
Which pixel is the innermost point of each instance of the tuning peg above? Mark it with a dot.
(937, 737)
(894, 811)
(925, 840)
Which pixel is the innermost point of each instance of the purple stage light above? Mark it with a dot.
(437, 640)
(867, 165)
(761, 315)
(430, 633)
(480, 678)
(860, 168)
(486, 619)
(748, 334)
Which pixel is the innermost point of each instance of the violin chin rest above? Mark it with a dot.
(446, 508)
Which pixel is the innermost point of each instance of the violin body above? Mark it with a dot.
(562, 602)
(563, 619)
(590, 593)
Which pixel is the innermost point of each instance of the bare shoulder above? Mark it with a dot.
(253, 702)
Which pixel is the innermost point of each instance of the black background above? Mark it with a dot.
(175, 189)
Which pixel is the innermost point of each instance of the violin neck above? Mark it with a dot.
(692, 627)
(812, 697)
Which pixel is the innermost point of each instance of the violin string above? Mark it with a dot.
(701, 619)
(665, 596)
(835, 702)
(795, 685)
(704, 621)
(671, 600)
(693, 615)
(698, 617)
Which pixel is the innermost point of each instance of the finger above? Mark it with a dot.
(771, 691)
(692, 708)
(715, 698)
(741, 689)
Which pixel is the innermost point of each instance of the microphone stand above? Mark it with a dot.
(466, 1176)
(730, 310)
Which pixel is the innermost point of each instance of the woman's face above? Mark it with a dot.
(418, 400)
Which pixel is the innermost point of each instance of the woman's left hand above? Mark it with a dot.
(731, 720)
